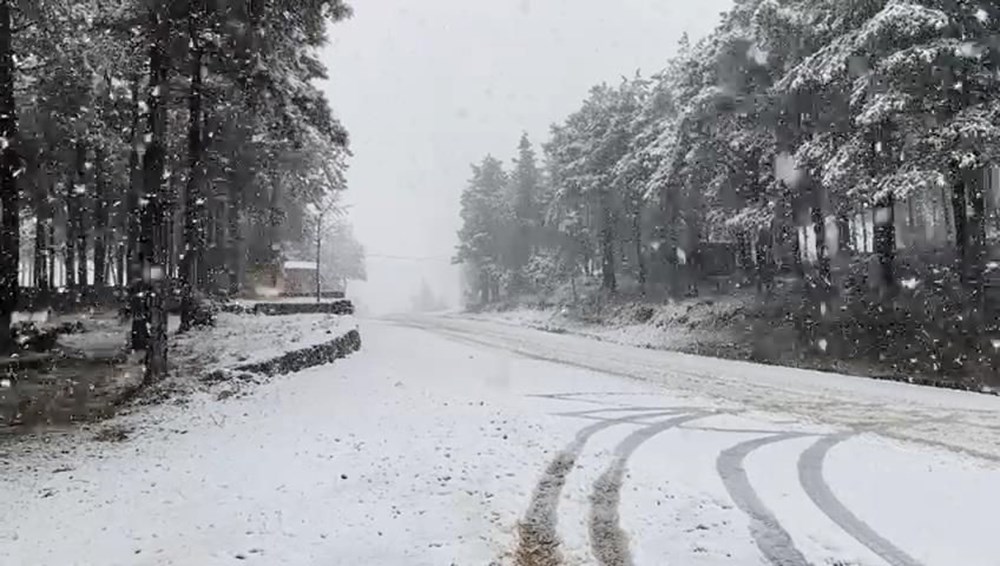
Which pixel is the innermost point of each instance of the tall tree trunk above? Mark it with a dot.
(100, 219)
(139, 336)
(79, 227)
(121, 264)
(640, 260)
(793, 234)
(824, 279)
(274, 231)
(69, 241)
(484, 287)
(236, 254)
(977, 237)
(41, 243)
(208, 219)
(50, 239)
(10, 245)
(250, 84)
(609, 281)
(744, 254)
(958, 205)
(194, 202)
(765, 260)
(152, 251)
(671, 241)
(38, 263)
(843, 234)
(885, 241)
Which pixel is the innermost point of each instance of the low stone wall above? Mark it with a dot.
(341, 307)
(295, 361)
(323, 295)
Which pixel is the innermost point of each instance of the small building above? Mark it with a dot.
(299, 278)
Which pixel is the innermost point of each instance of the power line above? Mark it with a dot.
(409, 258)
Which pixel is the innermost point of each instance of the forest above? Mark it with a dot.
(836, 158)
(162, 152)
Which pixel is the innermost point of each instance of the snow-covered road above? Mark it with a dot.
(448, 441)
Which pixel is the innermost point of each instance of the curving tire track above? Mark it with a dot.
(811, 477)
(771, 538)
(538, 543)
(607, 539)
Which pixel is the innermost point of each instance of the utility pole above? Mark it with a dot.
(319, 243)
(320, 215)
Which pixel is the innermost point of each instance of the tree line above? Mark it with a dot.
(797, 133)
(159, 146)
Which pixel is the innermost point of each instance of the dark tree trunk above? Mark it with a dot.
(236, 254)
(744, 255)
(765, 260)
(41, 240)
(958, 205)
(50, 238)
(69, 244)
(139, 336)
(274, 231)
(100, 219)
(38, 263)
(121, 264)
(824, 282)
(79, 227)
(152, 250)
(194, 202)
(484, 293)
(885, 241)
(977, 237)
(843, 234)
(671, 215)
(640, 260)
(797, 266)
(9, 198)
(609, 281)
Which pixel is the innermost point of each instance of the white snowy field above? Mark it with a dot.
(446, 441)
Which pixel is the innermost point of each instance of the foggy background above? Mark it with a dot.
(428, 88)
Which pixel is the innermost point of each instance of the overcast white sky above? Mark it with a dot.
(427, 88)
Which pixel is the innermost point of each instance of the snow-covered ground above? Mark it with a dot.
(241, 338)
(446, 441)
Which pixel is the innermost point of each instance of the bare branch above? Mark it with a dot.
(24, 27)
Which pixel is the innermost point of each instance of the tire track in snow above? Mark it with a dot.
(811, 477)
(607, 539)
(771, 538)
(538, 543)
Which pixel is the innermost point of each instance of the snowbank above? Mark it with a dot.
(239, 340)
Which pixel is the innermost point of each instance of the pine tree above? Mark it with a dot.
(525, 188)
(485, 217)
